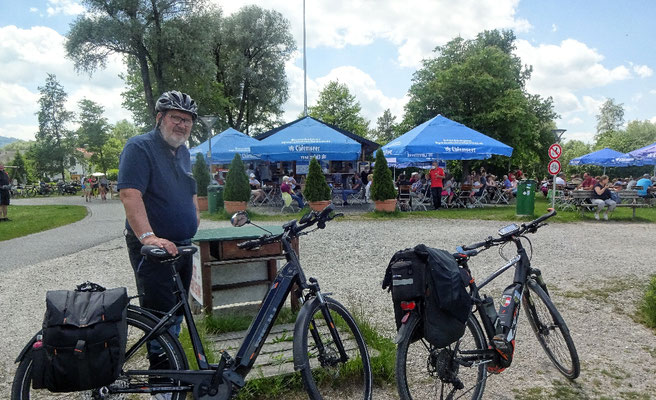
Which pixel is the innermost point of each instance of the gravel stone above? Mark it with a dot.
(596, 273)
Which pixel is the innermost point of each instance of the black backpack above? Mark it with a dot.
(83, 339)
(433, 278)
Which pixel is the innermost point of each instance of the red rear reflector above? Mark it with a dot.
(407, 305)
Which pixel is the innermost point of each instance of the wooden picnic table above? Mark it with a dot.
(628, 198)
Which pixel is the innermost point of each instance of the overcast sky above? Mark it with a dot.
(581, 52)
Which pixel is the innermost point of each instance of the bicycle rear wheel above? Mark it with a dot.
(551, 331)
(426, 372)
(324, 374)
(138, 325)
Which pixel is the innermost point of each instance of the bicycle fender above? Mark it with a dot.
(27, 348)
(404, 330)
(298, 329)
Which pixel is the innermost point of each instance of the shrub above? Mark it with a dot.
(112, 174)
(316, 187)
(649, 304)
(237, 187)
(382, 187)
(201, 174)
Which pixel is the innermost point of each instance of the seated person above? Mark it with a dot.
(419, 183)
(643, 186)
(601, 197)
(447, 190)
(588, 182)
(256, 189)
(285, 187)
(414, 177)
(355, 187)
(560, 182)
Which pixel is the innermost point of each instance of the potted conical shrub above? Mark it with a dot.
(382, 187)
(237, 190)
(202, 176)
(317, 192)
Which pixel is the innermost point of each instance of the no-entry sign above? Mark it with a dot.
(555, 151)
(554, 167)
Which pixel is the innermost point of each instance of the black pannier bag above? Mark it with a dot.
(433, 278)
(406, 278)
(448, 304)
(83, 339)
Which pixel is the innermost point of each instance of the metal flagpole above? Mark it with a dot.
(304, 67)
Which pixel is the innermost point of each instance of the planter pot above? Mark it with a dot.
(202, 203)
(232, 207)
(386, 205)
(319, 205)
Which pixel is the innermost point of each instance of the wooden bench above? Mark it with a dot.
(628, 198)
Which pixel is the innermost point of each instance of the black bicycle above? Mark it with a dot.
(461, 369)
(328, 348)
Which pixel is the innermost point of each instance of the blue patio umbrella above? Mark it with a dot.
(444, 139)
(604, 158)
(645, 155)
(304, 139)
(224, 147)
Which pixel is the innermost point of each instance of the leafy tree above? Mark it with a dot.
(124, 130)
(337, 106)
(20, 171)
(637, 134)
(249, 52)
(316, 187)
(237, 187)
(94, 132)
(54, 142)
(110, 151)
(481, 83)
(382, 186)
(609, 120)
(153, 34)
(201, 174)
(571, 150)
(20, 145)
(386, 128)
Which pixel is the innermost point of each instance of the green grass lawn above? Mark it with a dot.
(496, 213)
(33, 219)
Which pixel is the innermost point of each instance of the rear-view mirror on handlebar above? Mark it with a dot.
(240, 218)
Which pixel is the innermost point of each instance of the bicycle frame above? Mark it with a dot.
(291, 273)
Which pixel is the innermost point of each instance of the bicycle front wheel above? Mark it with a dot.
(172, 357)
(551, 331)
(453, 372)
(325, 374)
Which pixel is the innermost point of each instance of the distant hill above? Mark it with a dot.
(6, 140)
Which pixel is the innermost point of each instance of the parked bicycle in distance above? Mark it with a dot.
(328, 348)
(460, 370)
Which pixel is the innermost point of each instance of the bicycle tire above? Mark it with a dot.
(138, 324)
(414, 358)
(323, 375)
(551, 331)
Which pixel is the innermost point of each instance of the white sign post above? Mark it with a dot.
(555, 151)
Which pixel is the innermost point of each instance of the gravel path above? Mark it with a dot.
(617, 354)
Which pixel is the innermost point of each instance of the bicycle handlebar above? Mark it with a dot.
(293, 229)
(159, 253)
(530, 227)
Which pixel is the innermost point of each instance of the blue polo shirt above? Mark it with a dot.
(165, 182)
(644, 183)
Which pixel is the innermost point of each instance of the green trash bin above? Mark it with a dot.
(526, 197)
(214, 198)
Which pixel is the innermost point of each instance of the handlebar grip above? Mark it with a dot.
(542, 218)
(157, 252)
(474, 246)
(249, 244)
(326, 211)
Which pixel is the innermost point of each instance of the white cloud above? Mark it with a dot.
(653, 119)
(27, 56)
(575, 121)
(414, 26)
(592, 105)
(653, 91)
(636, 97)
(643, 71)
(34, 9)
(554, 27)
(66, 7)
(372, 100)
(584, 136)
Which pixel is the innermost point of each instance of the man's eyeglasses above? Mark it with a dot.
(179, 120)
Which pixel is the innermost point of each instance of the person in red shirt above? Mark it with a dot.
(436, 176)
(588, 182)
